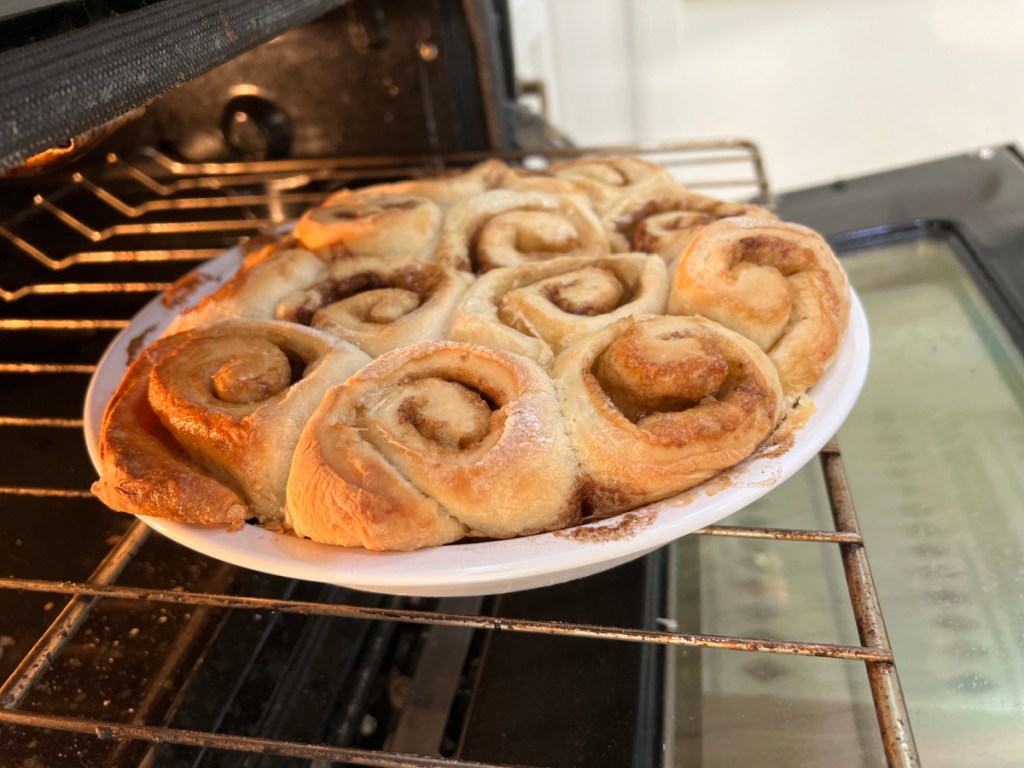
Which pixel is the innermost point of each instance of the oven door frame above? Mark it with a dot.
(974, 200)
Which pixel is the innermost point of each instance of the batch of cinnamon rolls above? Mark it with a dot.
(484, 355)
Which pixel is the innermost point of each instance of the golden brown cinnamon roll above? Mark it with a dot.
(663, 218)
(432, 443)
(504, 228)
(778, 284)
(538, 309)
(362, 224)
(145, 471)
(203, 427)
(659, 405)
(378, 304)
(606, 180)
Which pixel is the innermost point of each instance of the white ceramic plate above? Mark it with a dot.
(494, 566)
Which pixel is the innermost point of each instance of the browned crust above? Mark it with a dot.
(145, 472)
(775, 282)
(631, 459)
(170, 447)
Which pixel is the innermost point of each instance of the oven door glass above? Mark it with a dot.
(933, 451)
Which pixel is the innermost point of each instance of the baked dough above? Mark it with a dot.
(655, 406)
(607, 180)
(204, 425)
(540, 308)
(266, 278)
(504, 228)
(777, 283)
(364, 224)
(447, 189)
(144, 471)
(663, 218)
(432, 443)
(377, 303)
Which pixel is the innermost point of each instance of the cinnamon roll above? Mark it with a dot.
(656, 406)
(256, 290)
(363, 224)
(778, 284)
(379, 304)
(538, 309)
(663, 218)
(432, 443)
(203, 427)
(450, 188)
(503, 228)
(606, 180)
(444, 190)
(376, 303)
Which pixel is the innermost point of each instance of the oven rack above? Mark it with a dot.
(157, 212)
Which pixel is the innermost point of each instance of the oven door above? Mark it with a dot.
(933, 452)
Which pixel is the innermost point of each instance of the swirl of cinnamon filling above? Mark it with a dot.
(432, 443)
(203, 427)
(606, 180)
(505, 227)
(658, 405)
(255, 291)
(664, 218)
(539, 309)
(778, 284)
(378, 305)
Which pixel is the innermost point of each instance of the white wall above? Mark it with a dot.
(828, 88)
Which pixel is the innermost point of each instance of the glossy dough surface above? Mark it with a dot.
(485, 354)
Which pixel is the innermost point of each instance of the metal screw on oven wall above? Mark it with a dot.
(257, 128)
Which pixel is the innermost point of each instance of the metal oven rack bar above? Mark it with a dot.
(188, 200)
